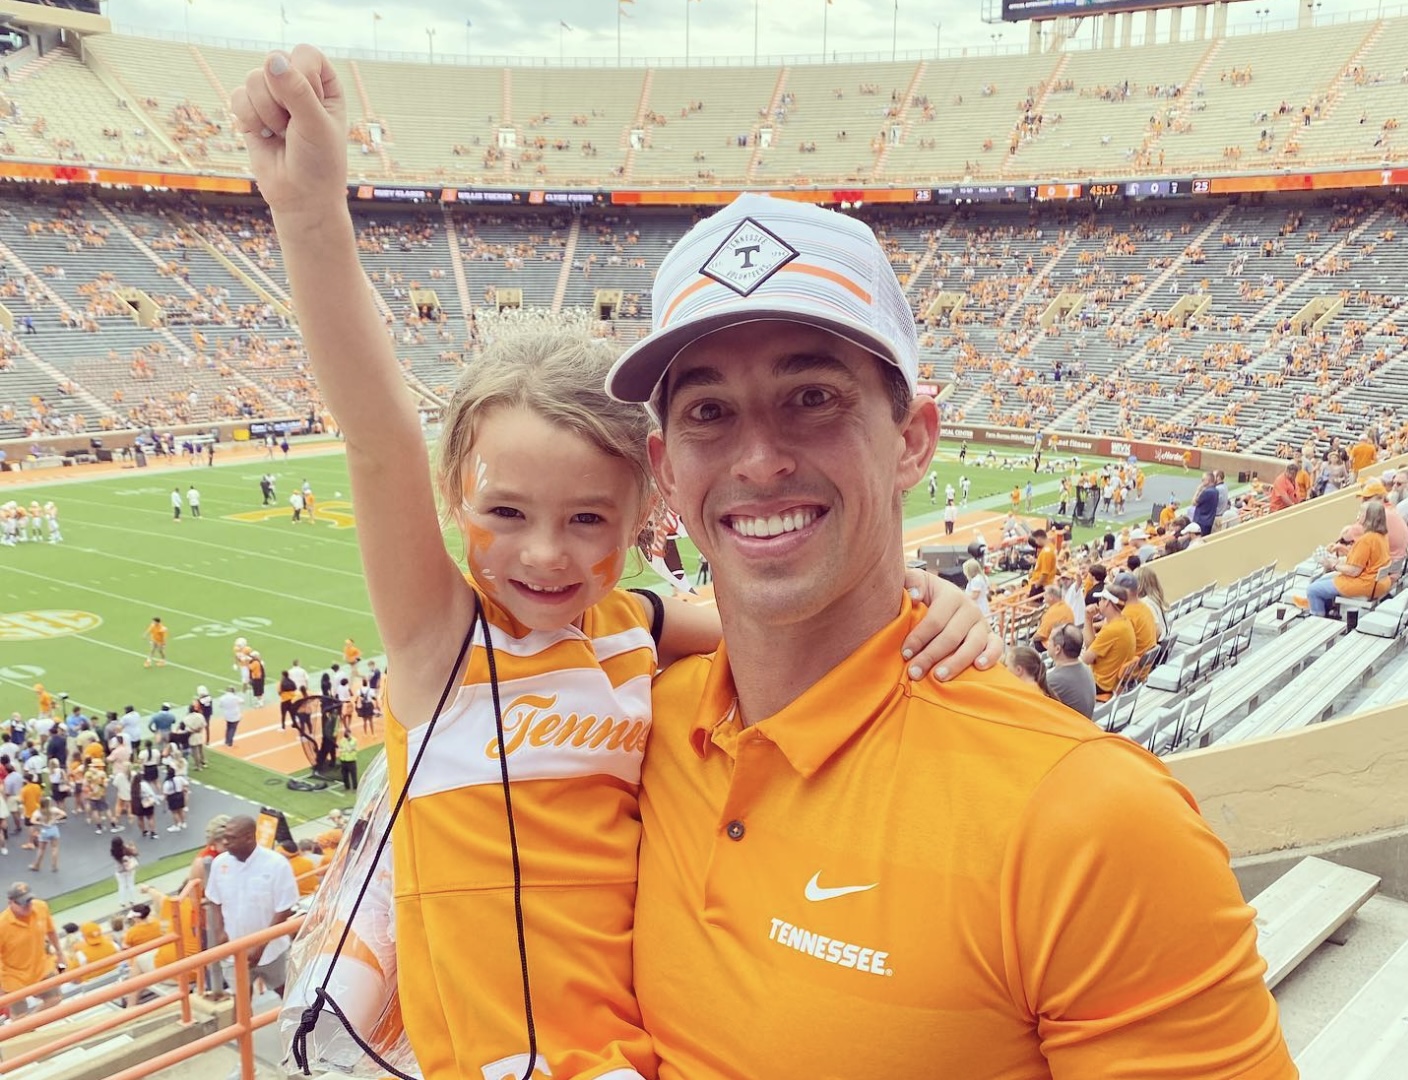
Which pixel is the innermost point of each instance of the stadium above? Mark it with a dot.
(1151, 242)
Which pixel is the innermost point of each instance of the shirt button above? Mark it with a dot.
(735, 830)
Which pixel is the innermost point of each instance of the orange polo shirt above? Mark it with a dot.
(23, 958)
(900, 878)
(1361, 456)
(1146, 630)
(576, 714)
(1115, 645)
(1044, 572)
(1054, 615)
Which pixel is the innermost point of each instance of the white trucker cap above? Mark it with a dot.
(761, 259)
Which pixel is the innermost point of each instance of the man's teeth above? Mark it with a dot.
(544, 588)
(776, 525)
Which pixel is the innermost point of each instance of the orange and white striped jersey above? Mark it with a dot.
(576, 714)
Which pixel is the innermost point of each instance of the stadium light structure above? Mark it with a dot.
(430, 37)
(938, 38)
(895, 34)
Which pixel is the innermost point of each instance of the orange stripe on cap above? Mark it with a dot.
(830, 275)
(684, 295)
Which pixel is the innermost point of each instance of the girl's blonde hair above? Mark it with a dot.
(559, 375)
(1150, 588)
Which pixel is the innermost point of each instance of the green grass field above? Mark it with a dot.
(72, 615)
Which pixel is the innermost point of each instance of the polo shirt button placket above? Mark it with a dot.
(735, 830)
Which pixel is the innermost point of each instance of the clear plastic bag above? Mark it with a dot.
(363, 980)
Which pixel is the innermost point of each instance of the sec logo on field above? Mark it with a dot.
(38, 625)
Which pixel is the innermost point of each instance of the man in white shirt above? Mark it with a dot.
(231, 707)
(965, 485)
(253, 889)
(193, 500)
(133, 726)
(299, 675)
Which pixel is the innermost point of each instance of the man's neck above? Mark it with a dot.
(772, 666)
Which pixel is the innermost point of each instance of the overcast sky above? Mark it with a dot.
(530, 28)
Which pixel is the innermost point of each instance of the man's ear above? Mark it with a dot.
(661, 466)
(920, 435)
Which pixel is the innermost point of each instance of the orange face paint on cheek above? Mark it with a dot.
(480, 540)
(608, 570)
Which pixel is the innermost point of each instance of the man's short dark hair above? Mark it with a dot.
(1038, 534)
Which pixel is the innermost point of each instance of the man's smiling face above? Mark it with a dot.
(782, 454)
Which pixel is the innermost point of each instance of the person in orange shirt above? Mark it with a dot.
(1139, 614)
(156, 635)
(1016, 498)
(1057, 613)
(1357, 573)
(791, 861)
(1363, 454)
(1044, 572)
(1168, 513)
(46, 702)
(94, 947)
(30, 950)
(1303, 481)
(351, 654)
(1285, 491)
(1111, 646)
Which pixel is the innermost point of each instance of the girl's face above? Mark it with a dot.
(547, 518)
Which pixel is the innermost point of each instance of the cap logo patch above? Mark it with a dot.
(748, 257)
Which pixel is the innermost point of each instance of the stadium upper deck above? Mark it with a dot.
(1325, 96)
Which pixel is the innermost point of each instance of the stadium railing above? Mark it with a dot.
(186, 972)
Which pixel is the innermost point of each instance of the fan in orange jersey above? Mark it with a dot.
(156, 637)
(351, 654)
(46, 702)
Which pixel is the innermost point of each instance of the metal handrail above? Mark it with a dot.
(182, 971)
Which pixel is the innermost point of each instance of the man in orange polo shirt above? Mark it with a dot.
(1044, 572)
(1112, 646)
(26, 927)
(1363, 454)
(1057, 612)
(862, 874)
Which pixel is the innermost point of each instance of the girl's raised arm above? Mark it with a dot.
(294, 119)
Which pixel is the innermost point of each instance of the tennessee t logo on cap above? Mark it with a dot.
(761, 259)
(748, 257)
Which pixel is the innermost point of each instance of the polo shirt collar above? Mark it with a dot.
(812, 729)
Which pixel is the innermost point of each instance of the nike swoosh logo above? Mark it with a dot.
(814, 890)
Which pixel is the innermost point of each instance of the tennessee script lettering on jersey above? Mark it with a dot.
(841, 953)
(529, 718)
(557, 724)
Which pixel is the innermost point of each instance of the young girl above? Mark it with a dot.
(174, 787)
(125, 856)
(46, 820)
(546, 478)
(144, 806)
